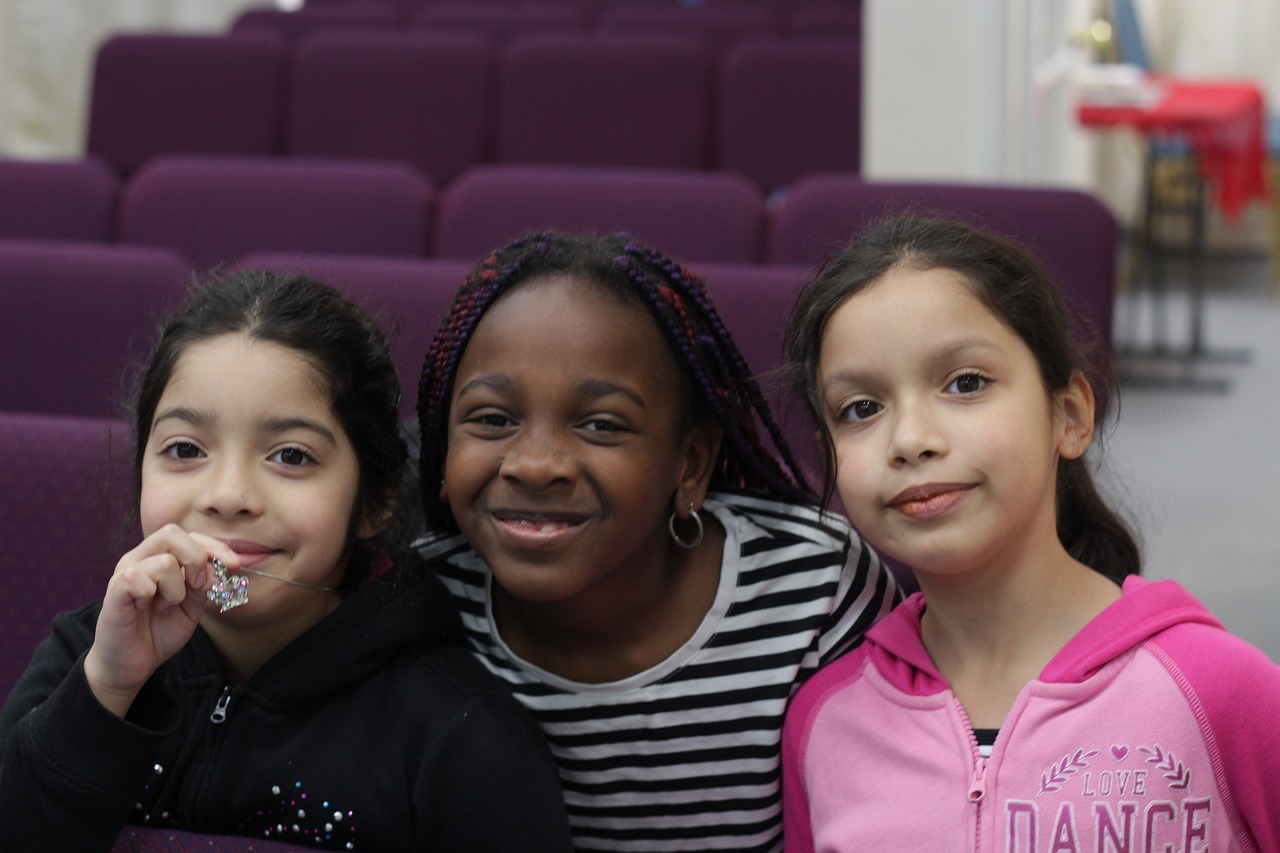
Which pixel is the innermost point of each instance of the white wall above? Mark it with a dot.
(978, 90)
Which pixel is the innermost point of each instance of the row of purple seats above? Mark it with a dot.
(214, 209)
(718, 24)
(105, 297)
(771, 109)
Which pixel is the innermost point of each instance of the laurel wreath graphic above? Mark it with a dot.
(1061, 772)
(1173, 770)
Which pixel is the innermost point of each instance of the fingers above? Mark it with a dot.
(169, 564)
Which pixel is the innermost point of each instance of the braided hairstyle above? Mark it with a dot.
(714, 378)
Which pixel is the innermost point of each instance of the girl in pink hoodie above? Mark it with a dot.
(1036, 695)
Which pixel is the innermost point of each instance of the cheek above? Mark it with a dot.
(855, 471)
(158, 505)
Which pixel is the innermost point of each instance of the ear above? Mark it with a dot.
(699, 451)
(1075, 414)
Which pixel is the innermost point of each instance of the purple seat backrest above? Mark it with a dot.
(215, 209)
(166, 93)
(409, 298)
(423, 99)
(499, 19)
(590, 99)
(696, 216)
(146, 839)
(754, 301)
(718, 25)
(58, 199)
(318, 17)
(77, 316)
(834, 18)
(1072, 233)
(63, 524)
(788, 108)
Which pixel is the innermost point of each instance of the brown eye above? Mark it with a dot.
(292, 456)
(969, 383)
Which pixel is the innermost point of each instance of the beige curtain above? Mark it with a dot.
(46, 61)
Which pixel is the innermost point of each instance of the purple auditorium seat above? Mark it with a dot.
(146, 839)
(755, 301)
(77, 316)
(1071, 232)
(788, 108)
(499, 19)
(425, 99)
(718, 25)
(214, 209)
(63, 522)
(168, 93)
(832, 18)
(322, 17)
(58, 199)
(695, 216)
(408, 296)
(591, 99)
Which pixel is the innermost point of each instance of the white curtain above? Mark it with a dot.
(46, 61)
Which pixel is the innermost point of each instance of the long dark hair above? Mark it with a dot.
(1016, 288)
(714, 378)
(341, 342)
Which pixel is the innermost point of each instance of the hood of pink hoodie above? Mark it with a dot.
(1145, 609)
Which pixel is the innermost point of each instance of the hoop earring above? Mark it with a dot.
(671, 528)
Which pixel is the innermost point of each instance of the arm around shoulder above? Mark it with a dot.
(491, 783)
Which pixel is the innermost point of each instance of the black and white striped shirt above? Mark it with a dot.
(685, 756)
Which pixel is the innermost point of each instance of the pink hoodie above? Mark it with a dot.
(1152, 730)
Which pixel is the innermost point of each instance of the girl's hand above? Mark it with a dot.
(152, 605)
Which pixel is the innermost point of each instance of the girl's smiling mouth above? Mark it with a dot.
(924, 503)
(537, 529)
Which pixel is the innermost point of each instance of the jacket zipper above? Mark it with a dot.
(220, 709)
(977, 779)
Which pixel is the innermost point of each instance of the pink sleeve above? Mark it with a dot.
(1236, 689)
(797, 835)
(802, 713)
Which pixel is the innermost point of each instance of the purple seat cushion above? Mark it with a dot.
(214, 209)
(790, 108)
(591, 99)
(1071, 232)
(63, 522)
(58, 199)
(77, 317)
(145, 839)
(423, 99)
(166, 93)
(703, 216)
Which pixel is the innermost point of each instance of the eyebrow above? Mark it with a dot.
(591, 388)
(946, 350)
(271, 425)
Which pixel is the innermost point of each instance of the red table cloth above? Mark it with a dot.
(1222, 120)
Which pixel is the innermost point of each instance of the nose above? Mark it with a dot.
(917, 435)
(537, 458)
(232, 489)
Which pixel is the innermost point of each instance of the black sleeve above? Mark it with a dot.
(70, 770)
(490, 784)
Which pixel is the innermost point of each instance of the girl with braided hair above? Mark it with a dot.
(632, 544)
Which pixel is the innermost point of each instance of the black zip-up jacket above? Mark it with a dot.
(375, 730)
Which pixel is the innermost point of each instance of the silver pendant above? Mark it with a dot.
(228, 591)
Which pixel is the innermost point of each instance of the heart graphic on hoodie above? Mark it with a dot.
(1119, 752)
